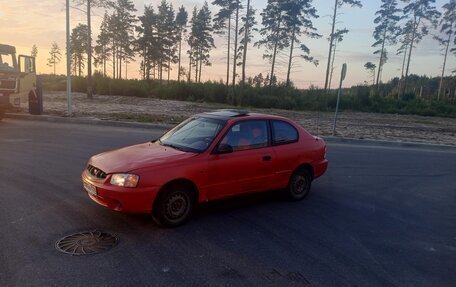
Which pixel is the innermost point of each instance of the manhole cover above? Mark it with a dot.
(88, 242)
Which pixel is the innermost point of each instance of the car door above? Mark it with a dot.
(287, 151)
(248, 165)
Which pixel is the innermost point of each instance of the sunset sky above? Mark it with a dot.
(27, 22)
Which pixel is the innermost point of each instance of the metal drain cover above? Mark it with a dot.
(87, 242)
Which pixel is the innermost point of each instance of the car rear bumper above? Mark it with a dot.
(320, 168)
(131, 200)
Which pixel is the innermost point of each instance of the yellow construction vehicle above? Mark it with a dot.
(19, 85)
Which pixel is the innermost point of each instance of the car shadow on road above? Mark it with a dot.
(240, 202)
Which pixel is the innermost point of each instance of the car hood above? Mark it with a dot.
(137, 156)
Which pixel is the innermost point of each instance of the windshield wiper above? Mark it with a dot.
(172, 146)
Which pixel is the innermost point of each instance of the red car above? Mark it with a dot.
(207, 157)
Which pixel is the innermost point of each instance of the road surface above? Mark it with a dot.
(381, 216)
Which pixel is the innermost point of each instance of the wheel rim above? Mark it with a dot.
(176, 206)
(300, 184)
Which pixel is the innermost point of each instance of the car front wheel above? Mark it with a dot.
(299, 184)
(174, 207)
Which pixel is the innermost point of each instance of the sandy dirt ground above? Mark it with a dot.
(358, 125)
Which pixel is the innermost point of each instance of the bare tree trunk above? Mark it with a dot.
(443, 69)
(415, 27)
(190, 66)
(380, 64)
(89, 53)
(113, 60)
(196, 68)
(229, 52)
(120, 63)
(180, 54)
(290, 60)
(104, 62)
(271, 77)
(200, 71)
(331, 42)
(236, 28)
(332, 65)
(373, 77)
(169, 67)
(246, 40)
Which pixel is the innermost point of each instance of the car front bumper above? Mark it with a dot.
(131, 200)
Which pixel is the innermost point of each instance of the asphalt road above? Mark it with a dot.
(381, 216)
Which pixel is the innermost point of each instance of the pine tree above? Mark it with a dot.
(237, 8)
(338, 37)
(221, 26)
(89, 4)
(54, 56)
(200, 41)
(146, 41)
(246, 30)
(421, 13)
(102, 49)
(386, 31)
(298, 20)
(34, 51)
(337, 5)
(274, 32)
(371, 68)
(181, 23)
(122, 27)
(448, 30)
(78, 48)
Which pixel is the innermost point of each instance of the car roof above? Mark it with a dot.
(228, 114)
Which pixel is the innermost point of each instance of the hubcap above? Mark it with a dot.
(300, 184)
(176, 206)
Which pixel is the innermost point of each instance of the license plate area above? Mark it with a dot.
(91, 189)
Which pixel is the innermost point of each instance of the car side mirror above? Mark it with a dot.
(224, 148)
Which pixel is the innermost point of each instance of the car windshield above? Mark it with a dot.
(193, 135)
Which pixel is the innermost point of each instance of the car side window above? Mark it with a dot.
(247, 135)
(284, 133)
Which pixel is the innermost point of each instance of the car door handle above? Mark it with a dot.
(267, 158)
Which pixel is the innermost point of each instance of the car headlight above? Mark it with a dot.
(124, 179)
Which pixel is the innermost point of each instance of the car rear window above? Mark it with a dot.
(284, 133)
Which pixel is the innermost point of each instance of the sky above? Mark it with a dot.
(24, 23)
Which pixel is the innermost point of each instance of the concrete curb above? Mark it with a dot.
(385, 143)
(328, 139)
(86, 121)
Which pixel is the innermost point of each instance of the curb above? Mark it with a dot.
(86, 121)
(328, 139)
(385, 143)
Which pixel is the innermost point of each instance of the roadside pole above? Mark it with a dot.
(342, 78)
(68, 56)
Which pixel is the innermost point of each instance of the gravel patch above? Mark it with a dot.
(358, 125)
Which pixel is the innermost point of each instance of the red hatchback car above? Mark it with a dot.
(207, 157)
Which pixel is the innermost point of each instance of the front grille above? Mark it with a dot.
(7, 84)
(96, 172)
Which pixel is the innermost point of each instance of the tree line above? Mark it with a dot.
(159, 35)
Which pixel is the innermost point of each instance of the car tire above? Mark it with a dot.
(299, 184)
(174, 207)
(2, 114)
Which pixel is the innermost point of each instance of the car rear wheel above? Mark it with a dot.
(174, 207)
(299, 184)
